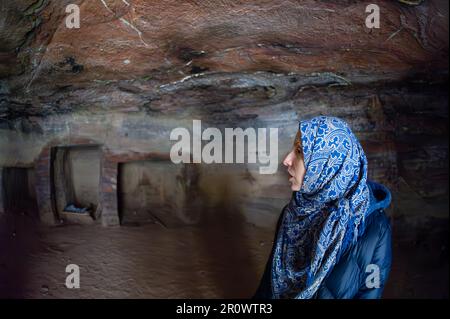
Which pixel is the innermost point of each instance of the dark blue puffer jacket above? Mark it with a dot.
(348, 278)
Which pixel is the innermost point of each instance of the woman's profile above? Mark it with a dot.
(333, 239)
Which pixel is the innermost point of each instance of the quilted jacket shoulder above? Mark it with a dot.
(362, 271)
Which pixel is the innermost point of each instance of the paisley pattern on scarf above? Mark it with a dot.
(321, 219)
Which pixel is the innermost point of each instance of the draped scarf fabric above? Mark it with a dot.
(323, 217)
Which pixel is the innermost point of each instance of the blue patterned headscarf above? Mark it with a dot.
(323, 217)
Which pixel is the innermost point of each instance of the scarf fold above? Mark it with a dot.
(324, 216)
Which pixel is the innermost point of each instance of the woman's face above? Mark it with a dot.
(295, 168)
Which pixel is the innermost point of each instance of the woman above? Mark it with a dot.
(333, 239)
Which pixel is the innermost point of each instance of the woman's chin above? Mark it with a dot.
(295, 187)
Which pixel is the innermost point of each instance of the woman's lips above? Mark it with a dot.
(291, 178)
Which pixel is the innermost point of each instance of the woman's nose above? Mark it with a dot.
(287, 161)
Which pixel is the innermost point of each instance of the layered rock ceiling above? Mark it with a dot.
(162, 55)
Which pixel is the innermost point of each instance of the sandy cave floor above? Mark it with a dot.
(218, 260)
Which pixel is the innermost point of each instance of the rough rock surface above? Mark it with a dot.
(137, 46)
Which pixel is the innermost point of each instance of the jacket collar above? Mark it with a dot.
(380, 196)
